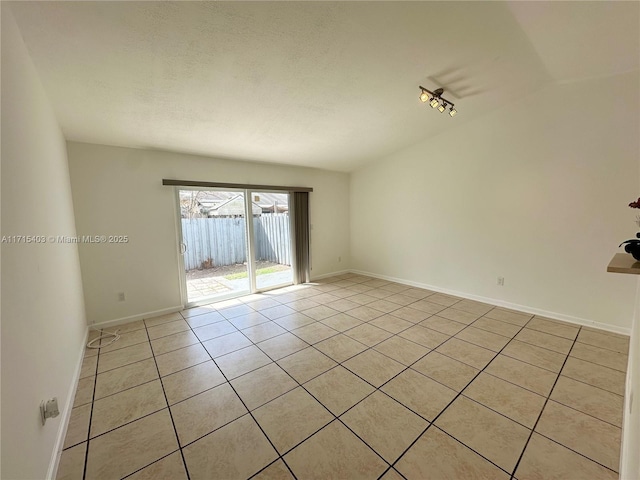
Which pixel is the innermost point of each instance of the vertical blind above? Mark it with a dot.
(300, 207)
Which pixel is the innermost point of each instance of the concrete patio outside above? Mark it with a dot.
(201, 286)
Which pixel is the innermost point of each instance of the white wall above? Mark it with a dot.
(43, 321)
(119, 191)
(536, 192)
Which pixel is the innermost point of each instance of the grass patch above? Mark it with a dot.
(260, 271)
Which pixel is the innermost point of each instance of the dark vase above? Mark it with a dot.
(632, 247)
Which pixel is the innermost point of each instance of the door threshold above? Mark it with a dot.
(216, 299)
(275, 287)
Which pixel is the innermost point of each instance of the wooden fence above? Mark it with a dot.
(214, 242)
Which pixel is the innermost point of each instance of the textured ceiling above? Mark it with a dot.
(322, 84)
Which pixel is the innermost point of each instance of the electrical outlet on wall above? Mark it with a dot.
(339, 259)
(49, 409)
(121, 297)
(501, 281)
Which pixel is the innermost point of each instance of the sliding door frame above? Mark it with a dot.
(251, 249)
(249, 234)
(182, 274)
(292, 242)
(182, 250)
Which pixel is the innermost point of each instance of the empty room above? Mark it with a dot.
(320, 240)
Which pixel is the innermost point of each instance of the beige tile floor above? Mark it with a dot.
(348, 378)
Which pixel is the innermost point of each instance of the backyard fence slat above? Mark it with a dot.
(219, 241)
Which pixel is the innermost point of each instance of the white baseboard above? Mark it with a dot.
(502, 303)
(66, 414)
(133, 318)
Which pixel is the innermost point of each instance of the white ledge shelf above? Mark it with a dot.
(624, 263)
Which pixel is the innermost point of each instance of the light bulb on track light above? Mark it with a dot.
(436, 100)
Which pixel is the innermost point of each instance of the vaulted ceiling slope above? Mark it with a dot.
(322, 84)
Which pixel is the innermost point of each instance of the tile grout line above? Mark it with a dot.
(533, 429)
(268, 465)
(128, 475)
(601, 365)
(378, 389)
(576, 452)
(335, 417)
(575, 409)
(93, 395)
(93, 401)
(280, 457)
(591, 385)
(529, 363)
(229, 382)
(173, 423)
(432, 423)
(502, 379)
(125, 424)
(363, 322)
(331, 316)
(128, 388)
(368, 347)
(302, 386)
(396, 334)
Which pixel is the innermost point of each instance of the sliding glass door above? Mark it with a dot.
(223, 255)
(272, 240)
(214, 244)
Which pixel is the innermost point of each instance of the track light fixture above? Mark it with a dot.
(436, 101)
